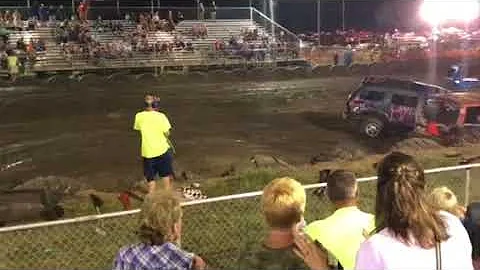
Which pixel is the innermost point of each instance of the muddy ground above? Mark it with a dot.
(83, 130)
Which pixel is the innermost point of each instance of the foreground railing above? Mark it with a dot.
(219, 229)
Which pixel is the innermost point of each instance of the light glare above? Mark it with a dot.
(436, 12)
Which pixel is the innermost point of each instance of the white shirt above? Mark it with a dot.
(384, 251)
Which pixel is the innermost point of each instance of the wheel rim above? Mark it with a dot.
(372, 130)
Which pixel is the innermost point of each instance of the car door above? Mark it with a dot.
(402, 109)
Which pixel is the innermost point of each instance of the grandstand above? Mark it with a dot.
(217, 30)
(200, 51)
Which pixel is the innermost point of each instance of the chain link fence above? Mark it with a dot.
(218, 229)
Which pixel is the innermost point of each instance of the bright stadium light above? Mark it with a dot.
(436, 12)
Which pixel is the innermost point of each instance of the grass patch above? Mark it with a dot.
(219, 232)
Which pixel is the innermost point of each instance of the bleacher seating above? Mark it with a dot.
(53, 54)
(54, 58)
(217, 30)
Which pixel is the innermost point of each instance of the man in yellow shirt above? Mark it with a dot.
(342, 233)
(155, 128)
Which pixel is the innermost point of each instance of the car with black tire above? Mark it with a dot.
(383, 104)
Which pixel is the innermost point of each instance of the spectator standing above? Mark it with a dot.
(202, 11)
(213, 13)
(12, 63)
(34, 10)
(156, 150)
(60, 14)
(472, 224)
(43, 13)
(342, 232)
(335, 59)
(160, 233)
(348, 56)
(82, 10)
(410, 233)
(283, 205)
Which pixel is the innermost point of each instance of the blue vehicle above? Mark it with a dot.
(458, 82)
(382, 104)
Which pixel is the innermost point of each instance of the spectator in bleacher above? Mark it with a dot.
(179, 18)
(21, 46)
(160, 233)
(283, 205)
(342, 232)
(442, 198)
(156, 17)
(40, 45)
(410, 233)
(17, 20)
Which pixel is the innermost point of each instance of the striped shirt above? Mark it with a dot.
(142, 257)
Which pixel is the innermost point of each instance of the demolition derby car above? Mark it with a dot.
(394, 106)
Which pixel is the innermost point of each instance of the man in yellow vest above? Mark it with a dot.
(156, 149)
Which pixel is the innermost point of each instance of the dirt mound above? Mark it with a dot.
(349, 151)
(267, 161)
(416, 144)
(63, 185)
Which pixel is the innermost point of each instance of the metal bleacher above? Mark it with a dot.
(53, 54)
(53, 59)
(217, 30)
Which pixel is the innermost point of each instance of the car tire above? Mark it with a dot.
(372, 128)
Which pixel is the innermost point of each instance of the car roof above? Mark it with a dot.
(406, 84)
(463, 99)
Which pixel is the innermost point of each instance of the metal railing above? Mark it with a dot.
(218, 229)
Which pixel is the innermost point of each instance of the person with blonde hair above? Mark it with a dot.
(283, 206)
(444, 199)
(160, 234)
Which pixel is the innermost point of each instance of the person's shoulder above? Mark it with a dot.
(366, 216)
(128, 252)
(140, 113)
(264, 258)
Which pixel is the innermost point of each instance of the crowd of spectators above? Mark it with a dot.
(80, 39)
(410, 229)
(9, 19)
(252, 45)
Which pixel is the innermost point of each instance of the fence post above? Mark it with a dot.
(467, 186)
(73, 8)
(251, 14)
(118, 10)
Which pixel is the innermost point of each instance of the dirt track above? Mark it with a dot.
(84, 130)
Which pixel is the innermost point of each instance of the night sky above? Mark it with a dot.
(300, 15)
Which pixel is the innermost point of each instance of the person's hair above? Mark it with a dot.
(283, 203)
(401, 204)
(159, 213)
(341, 186)
(442, 198)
